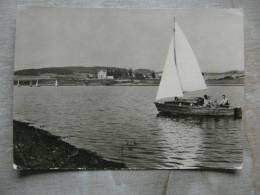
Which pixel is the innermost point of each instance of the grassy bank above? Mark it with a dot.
(38, 149)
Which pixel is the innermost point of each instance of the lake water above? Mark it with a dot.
(120, 123)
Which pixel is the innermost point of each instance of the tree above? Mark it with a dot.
(153, 75)
(139, 76)
(130, 72)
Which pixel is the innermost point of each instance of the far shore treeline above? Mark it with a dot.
(113, 71)
(79, 75)
(117, 73)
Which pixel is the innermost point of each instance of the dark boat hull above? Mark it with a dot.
(177, 110)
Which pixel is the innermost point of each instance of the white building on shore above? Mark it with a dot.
(102, 74)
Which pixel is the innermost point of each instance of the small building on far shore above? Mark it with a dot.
(110, 77)
(102, 74)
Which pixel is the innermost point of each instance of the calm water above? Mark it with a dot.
(120, 124)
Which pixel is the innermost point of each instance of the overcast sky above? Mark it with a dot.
(131, 38)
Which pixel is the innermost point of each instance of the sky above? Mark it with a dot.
(128, 38)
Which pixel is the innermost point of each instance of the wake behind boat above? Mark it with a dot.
(181, 75)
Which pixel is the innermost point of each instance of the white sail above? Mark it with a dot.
(170, 85)
(187, 65)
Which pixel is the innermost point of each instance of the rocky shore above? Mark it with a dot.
(38, 149)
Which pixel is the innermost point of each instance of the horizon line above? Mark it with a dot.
(82, 66)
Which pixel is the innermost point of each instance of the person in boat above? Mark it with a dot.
(199, 101)
(209, 102)
(224, 102)
(206, 101)
(176, 100)
(214, 104)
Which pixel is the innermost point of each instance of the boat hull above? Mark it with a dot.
(177, 110)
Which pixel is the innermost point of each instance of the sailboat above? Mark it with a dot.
(56, 83)
(182, 74)
(37, 84)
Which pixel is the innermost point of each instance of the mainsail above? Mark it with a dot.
(181, 71)
(187, 65)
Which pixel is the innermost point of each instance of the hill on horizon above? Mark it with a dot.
(67, 70)
(74, 69)
(64, 70)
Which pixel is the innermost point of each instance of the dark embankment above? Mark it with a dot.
(38, 149)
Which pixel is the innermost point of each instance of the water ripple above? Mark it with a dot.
(120, 124)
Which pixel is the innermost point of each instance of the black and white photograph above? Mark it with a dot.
(110, 88)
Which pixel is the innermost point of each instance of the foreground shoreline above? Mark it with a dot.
(35, 148)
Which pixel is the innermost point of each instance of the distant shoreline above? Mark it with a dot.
(35, 148)
(97, 75)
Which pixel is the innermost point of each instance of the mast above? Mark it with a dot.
(174, 42)
(174, 52)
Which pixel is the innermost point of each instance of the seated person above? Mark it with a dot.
(199, 101)
(214, 104)
(175, 101)
(206, 101)
(224, 102)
